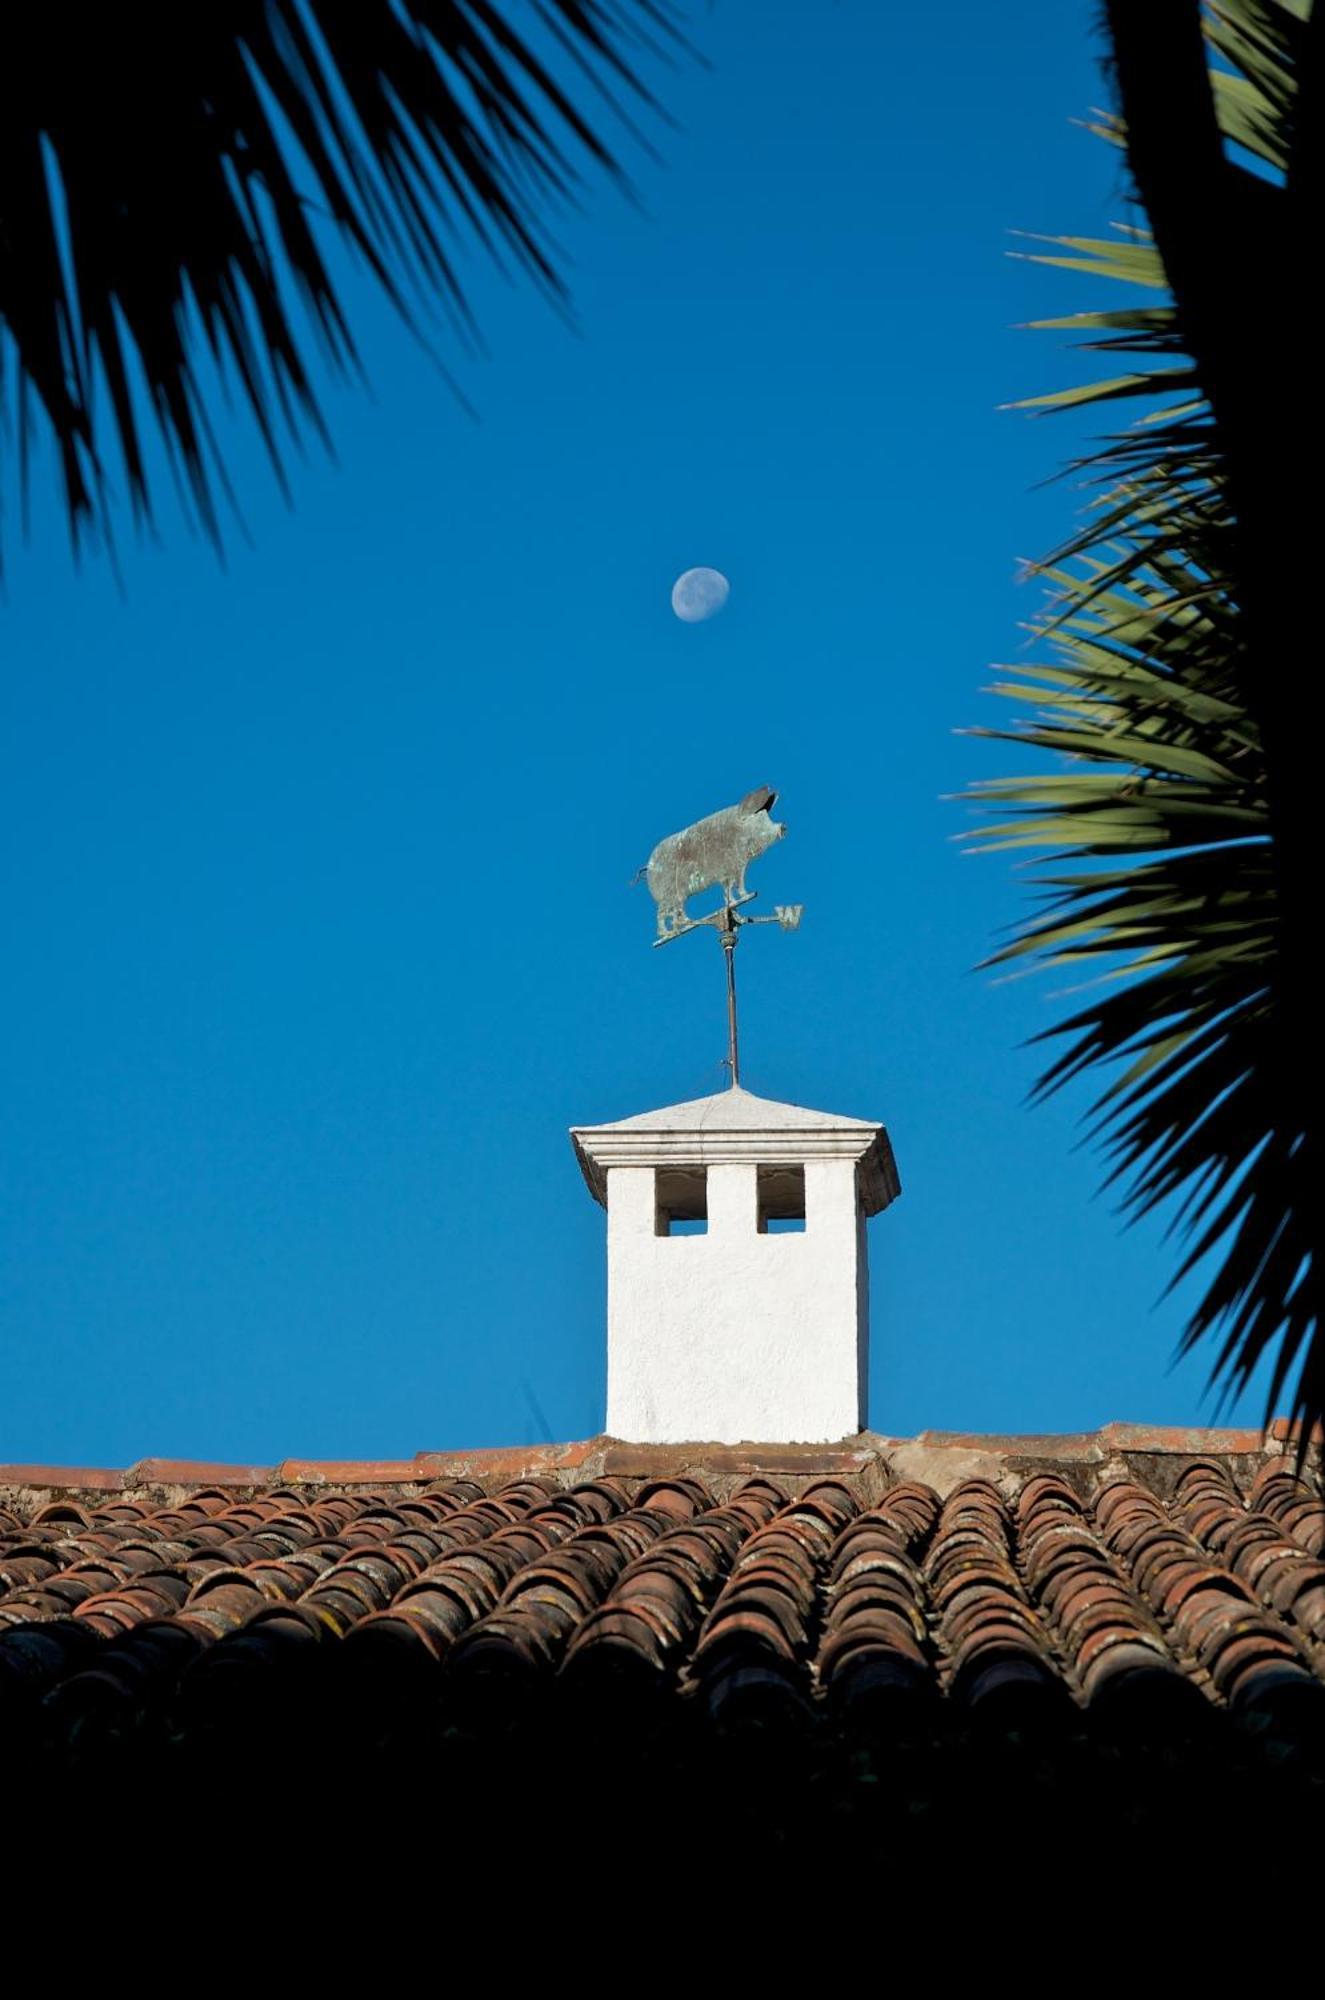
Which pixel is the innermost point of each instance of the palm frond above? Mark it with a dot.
(1158, 691)
(171, 176)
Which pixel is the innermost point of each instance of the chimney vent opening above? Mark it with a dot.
(781, 1200)
(681, 1204)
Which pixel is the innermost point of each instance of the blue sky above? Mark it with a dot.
(315, 864)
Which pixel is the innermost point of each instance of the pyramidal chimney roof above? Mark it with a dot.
(735, 1126)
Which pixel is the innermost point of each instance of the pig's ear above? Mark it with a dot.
(761, 800)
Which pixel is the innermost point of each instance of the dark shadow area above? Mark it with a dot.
(492, 1768)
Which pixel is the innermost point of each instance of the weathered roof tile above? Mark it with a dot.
(752, 1587)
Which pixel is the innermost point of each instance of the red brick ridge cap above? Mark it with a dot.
(1186, 1440)
(498, 1463)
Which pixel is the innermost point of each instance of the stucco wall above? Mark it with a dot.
(732, 1335)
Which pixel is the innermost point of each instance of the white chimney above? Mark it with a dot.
(737, 1282)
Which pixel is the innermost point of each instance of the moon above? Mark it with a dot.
(698, 594)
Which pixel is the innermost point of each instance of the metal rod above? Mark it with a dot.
(729, 934)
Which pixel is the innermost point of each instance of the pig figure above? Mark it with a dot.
(716, 849)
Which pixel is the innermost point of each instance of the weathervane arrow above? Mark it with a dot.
(718, 850)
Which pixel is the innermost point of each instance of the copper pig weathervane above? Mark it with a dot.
(717, 851)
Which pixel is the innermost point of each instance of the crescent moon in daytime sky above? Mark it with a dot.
(698, 594)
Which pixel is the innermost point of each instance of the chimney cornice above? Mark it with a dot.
(754, 1131)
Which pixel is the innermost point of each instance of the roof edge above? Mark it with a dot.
(595, 1455)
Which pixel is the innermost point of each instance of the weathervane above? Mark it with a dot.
(718, 849)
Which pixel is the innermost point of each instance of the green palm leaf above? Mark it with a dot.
(170, 177)
(1161, 684)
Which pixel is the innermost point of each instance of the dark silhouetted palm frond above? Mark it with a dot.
(1177, 639)
(170, 176)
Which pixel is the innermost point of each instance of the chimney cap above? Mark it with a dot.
(734, 1126)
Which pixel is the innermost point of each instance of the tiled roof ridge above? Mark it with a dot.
(920, 1456)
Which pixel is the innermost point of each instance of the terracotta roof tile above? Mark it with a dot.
(193, 1472)
(1064, 1586)
(82, 1478)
